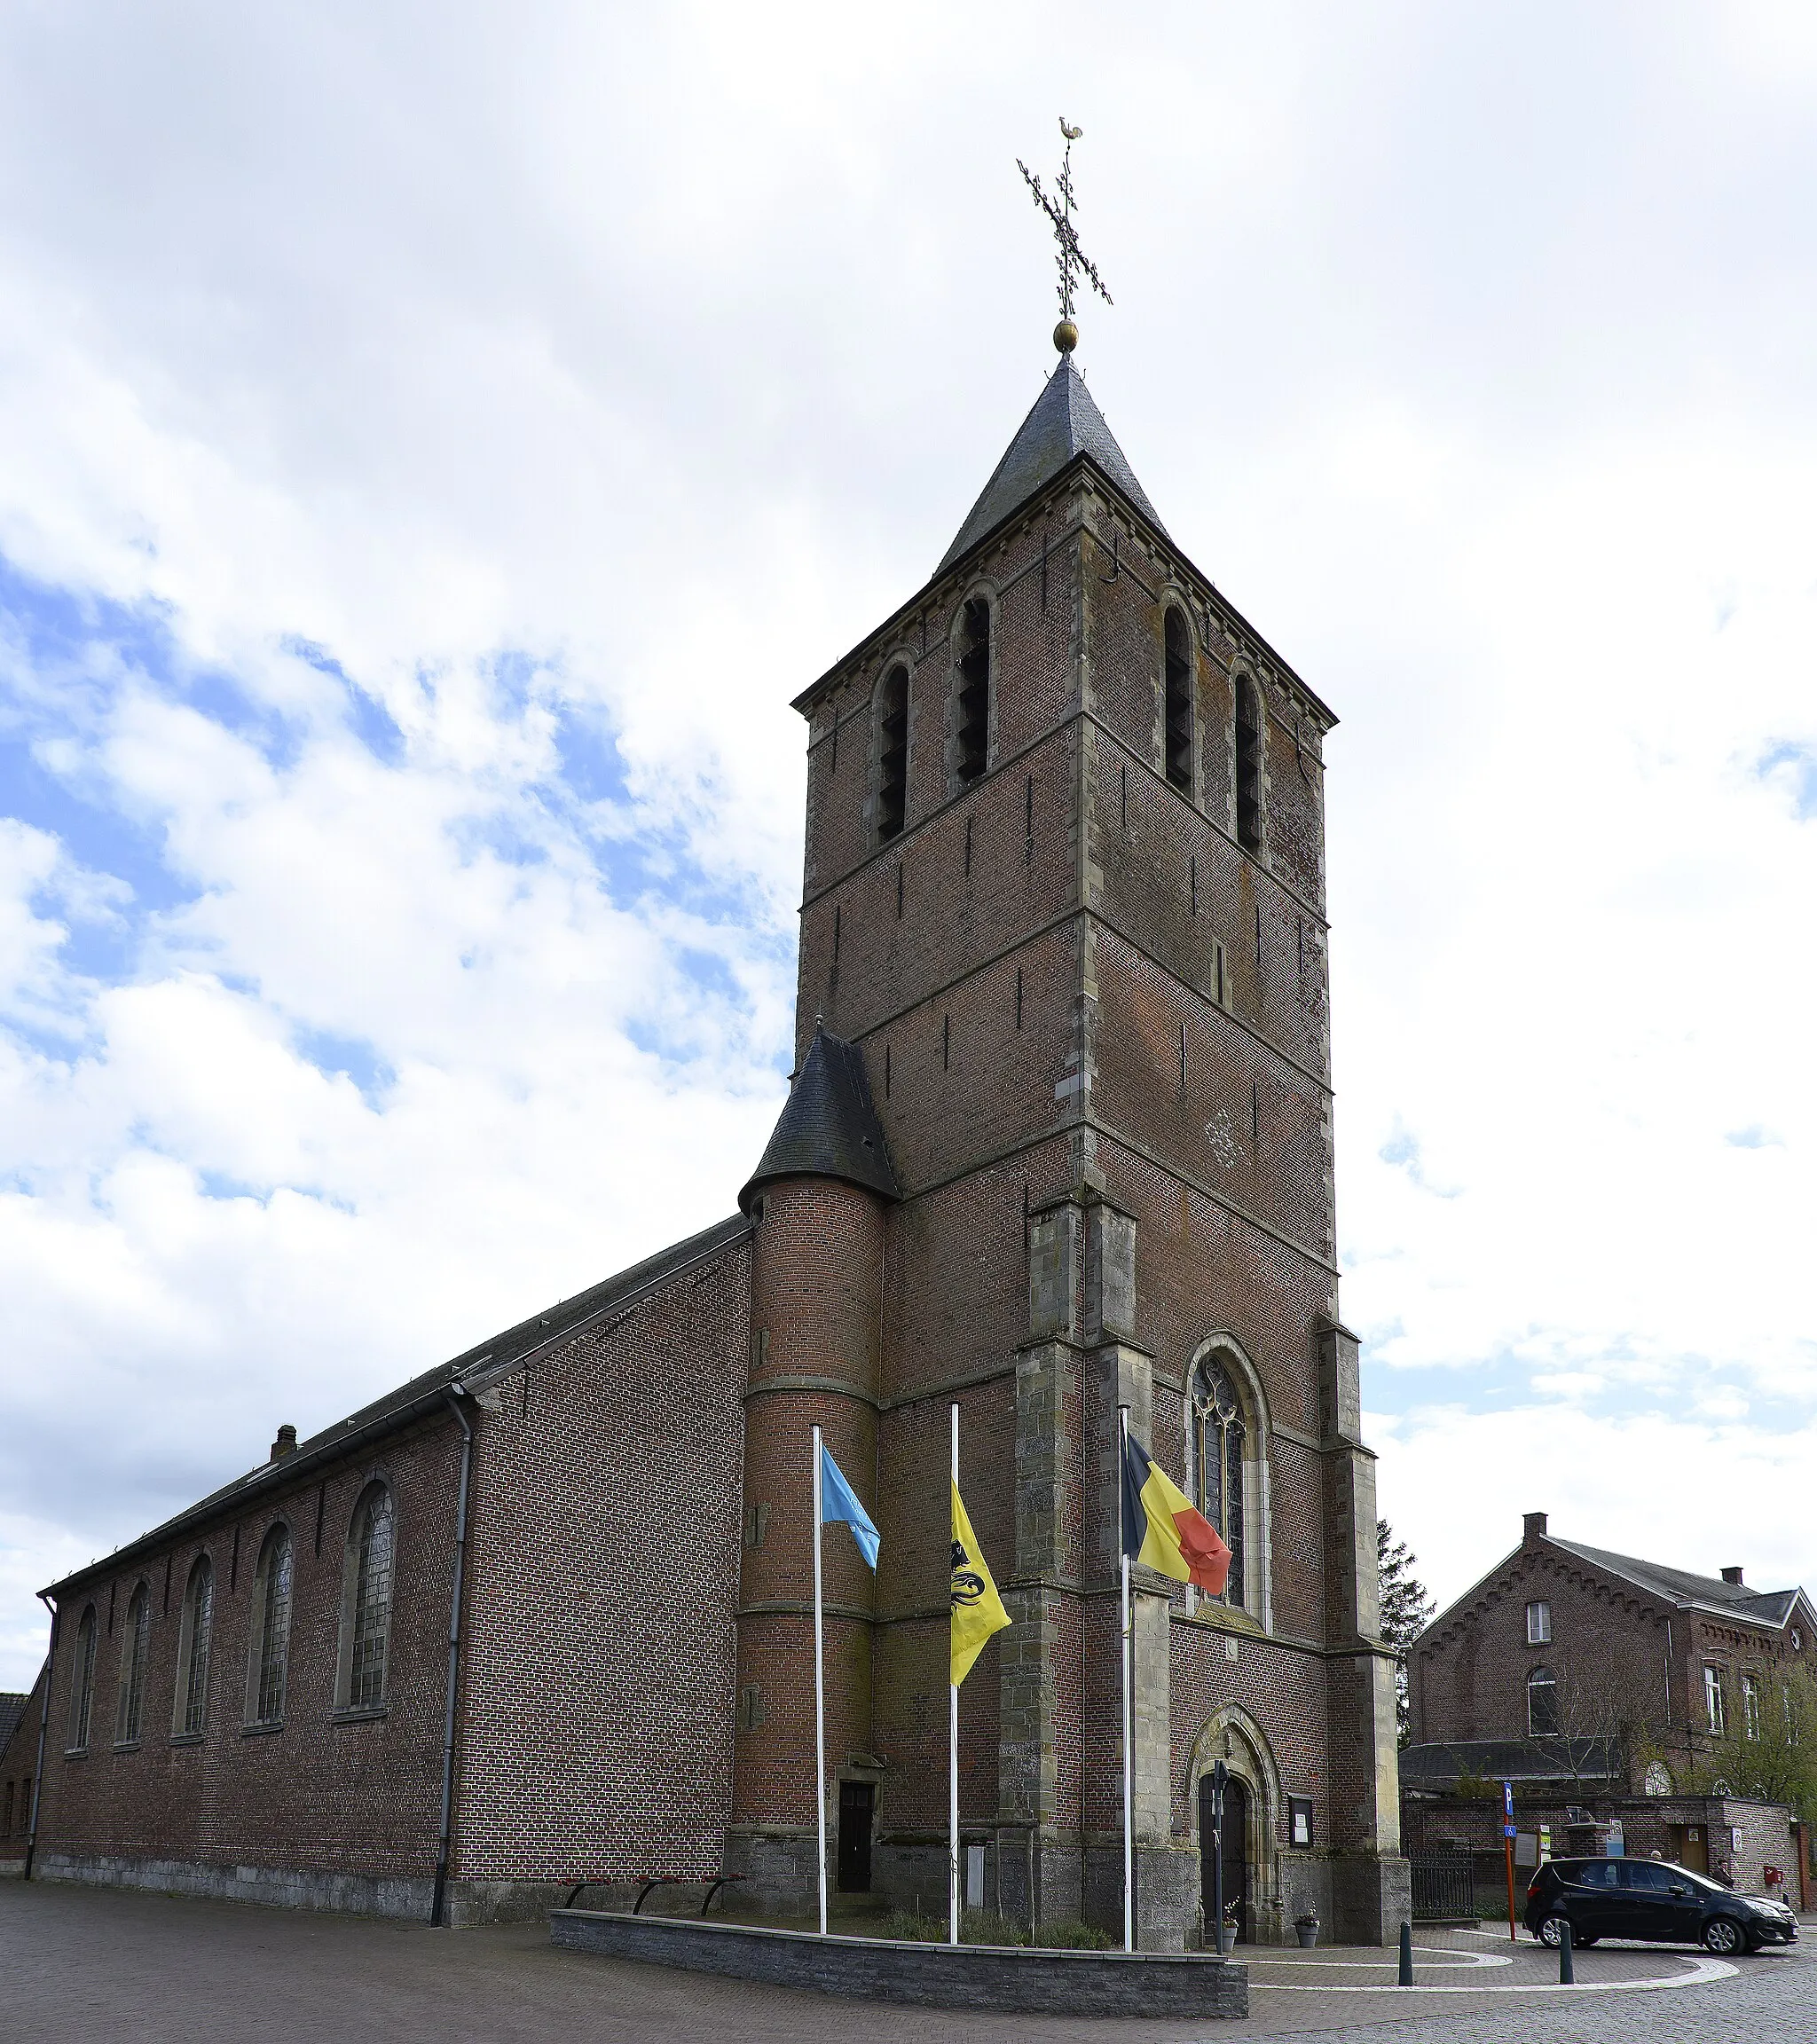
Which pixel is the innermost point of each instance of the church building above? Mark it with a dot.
(1058, 1140)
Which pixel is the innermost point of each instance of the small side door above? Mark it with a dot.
(1651, 1910)
(1592, 1899)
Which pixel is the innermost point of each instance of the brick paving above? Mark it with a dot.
(80, 1963)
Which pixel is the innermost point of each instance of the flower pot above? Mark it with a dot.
(1226, 1938)
(1308, 1929)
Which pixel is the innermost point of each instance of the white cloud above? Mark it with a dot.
(444, 444)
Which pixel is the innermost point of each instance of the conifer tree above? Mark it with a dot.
(1406, 1605)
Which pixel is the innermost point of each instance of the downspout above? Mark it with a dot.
(437, 1908)
(31, 1843)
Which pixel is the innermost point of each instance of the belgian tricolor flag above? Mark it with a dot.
(1162, 1527)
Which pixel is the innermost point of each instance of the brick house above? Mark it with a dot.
(1059, 1139)
(1607, 1690)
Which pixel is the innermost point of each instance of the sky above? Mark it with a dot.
(437, 443)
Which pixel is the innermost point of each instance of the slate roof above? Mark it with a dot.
(12, 1703)
(828, 1128)
(1063, 423)
(1438, 1766)
(472, 1368)
(1679, 1586)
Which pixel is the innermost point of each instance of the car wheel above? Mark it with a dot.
(1724, 1935)
(1552, 1932)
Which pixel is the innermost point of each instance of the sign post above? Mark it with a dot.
(1508, 1846)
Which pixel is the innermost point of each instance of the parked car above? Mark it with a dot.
(1651, 1898)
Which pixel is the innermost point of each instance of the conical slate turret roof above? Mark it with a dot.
(1064, 422)
(828, 1128)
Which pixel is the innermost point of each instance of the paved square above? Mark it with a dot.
(77, 1964)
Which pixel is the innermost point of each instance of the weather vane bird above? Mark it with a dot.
(1072, 260)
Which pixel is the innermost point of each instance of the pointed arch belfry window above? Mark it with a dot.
(1219, 1437)
(972, 722)
(1249, 733)
(892, 753)
(1178, 712)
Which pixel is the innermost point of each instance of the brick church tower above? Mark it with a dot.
(1060, 1139)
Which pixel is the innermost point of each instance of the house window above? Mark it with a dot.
(1542, 1703)
(1249, 728)
(1715, 1701)
(1179, 700)
(82, 1683)
(270, 1670)
(1750, 1707)
(132, 1668)
(972, 728)
(891, 753)
(1218, 1439)
(1539, 1625)
(194, 1649)
(369, 1562)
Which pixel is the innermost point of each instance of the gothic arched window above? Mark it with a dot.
(133, 1647)
(892, 752)
(1249, 729)
(1218, 1439)
(81, 1682)
(366, 1603)
(270, 1672)
(1178, 646)
(1542, 1703)
(971, 723)
(194, 1649)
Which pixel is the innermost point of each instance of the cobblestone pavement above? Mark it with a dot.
(81, 1964)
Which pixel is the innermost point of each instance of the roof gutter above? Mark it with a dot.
(438, 1906)
(31, 1844)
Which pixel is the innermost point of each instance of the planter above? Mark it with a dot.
(1308, 1929)
(1227, 1938)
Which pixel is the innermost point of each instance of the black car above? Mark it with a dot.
(1651, 1898)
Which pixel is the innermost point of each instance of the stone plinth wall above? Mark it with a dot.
(930, 1976)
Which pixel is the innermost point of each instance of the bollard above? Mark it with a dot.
(1406, 1979)
(1566, 1978)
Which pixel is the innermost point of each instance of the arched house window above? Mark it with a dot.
(82, 1683)
(1542, 1703)
(365, 1602)
(1226, 1432)
(1176, 714)
(194, 1647)
(268, 1666)
(135, 1642)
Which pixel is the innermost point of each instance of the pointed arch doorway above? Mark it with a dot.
(1226, 1845)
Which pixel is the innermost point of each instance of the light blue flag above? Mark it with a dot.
(839, 1502)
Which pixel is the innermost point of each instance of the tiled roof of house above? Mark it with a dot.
(1679, 1586)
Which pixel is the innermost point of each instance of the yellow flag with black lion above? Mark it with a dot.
(978, 1611)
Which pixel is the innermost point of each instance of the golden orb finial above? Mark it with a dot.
(1066, 337)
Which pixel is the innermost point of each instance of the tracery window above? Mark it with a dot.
(1542, 1703)
(133, 1647)
(370, 1556)
(892, 752)
(971, 729)
(193, 1652)
(81, 1682)
(1218, 1438)
(271, 1634)
(1249, 729)
(1177, 647)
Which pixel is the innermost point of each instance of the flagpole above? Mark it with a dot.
(819, 1706)
(1128, 1646)
(953, 1755)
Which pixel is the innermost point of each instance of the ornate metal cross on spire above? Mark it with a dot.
(1071, 258)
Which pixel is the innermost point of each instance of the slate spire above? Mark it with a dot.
(828, 1128)
(1064, 422)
